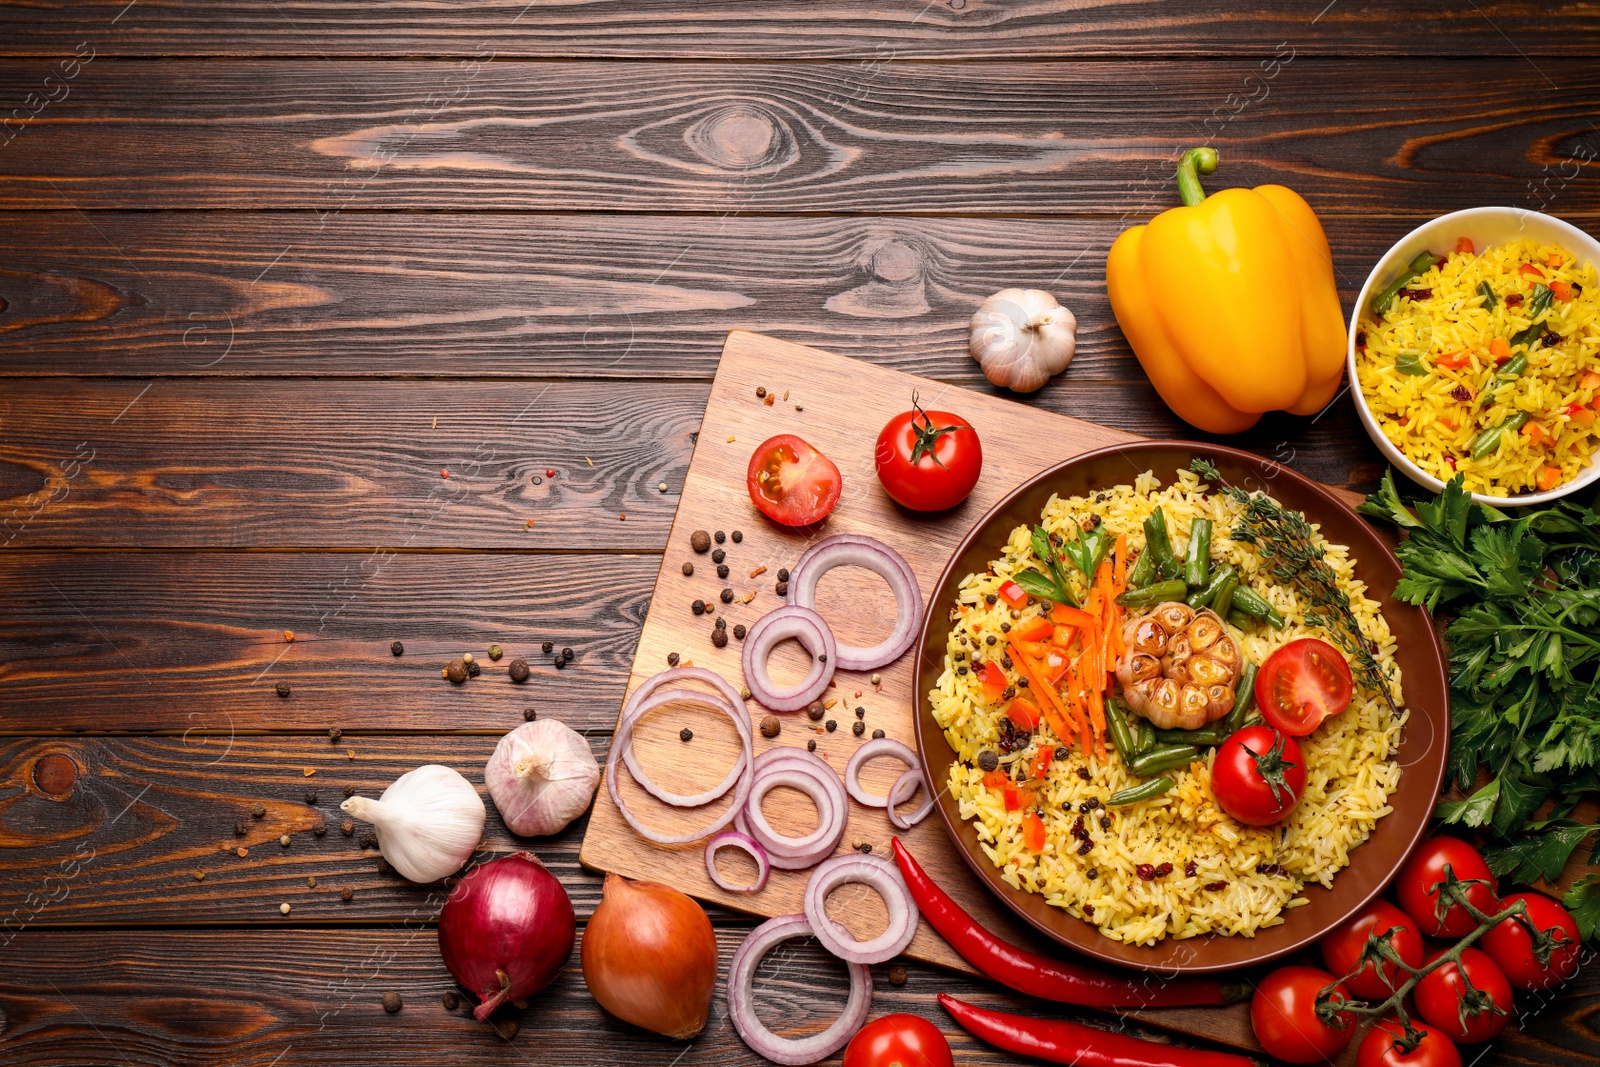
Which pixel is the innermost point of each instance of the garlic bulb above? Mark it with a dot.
(1021, 337)
(428, 822)
(542, 776)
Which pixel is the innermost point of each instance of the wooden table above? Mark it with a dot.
(268, 272)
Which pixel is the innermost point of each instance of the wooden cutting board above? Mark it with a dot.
(838, 405)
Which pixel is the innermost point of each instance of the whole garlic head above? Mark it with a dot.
(1022, 337)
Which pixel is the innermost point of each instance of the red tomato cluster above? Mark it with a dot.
(1463, 1002)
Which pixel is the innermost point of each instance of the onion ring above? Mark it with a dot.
(806, 772)
(856, 550)
(908, 783)
(804, 625)
(656, 699)
(741, 1001)
(744, 843)
(878, 746)
(879, 874)
(646, 699)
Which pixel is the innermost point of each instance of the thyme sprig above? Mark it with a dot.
(1289, 546)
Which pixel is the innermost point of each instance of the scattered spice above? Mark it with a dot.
(529, 715)
(720, 537)
(396, 648)
(547, 646)
(391, 1002)
(751, 595)
(495, 652)
(744, 692)
(877, 679)
(240, 829)
(897, 975)
(1214, 886)
(831, 725)
(473, 670)
(662, 486)
(672, 659)
(283, 909)
(282, 689)
(761, 390)
(685, 734)
(307, 772)
(739, 632)
(811, 745)
(456, 671)
(319, 827)
(241, 852)
(688, 570)
(369, 840)
(718, 555)
(259, 811)
(347, 827)
(311, 882)
(451, 1000)
(737, 535)
(549, 472)
(466, 657)
(782, 589)
(858, 727)
(288, 635)
(518, 670)
(770, 726)
(722, 570)
(284, 840)
(311, 796)
(861, 713)
(759, 571)
(199, 876)
(815, 710)
(719, 637)
(1190, 870)
(783, 574)
(700, 541)
(347, 894)
(698, 607)
(727, 594)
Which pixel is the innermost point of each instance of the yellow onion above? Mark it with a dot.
(650, 958)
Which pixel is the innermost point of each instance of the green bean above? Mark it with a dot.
(1537, 306)
(1222, 603)
(1251, 602)
(1199, 598)
(1163, 758)
(1487, 441)
(1244, 697)
(1204, 737)
(1144, 569)
(1121, 734)
(1489, 299)
(1513, 368)
(1419, 264)
(1159, 545)
(1197, 566)
(1150, 595)
(1143, 791)
(1240, 621)
(1147, 736)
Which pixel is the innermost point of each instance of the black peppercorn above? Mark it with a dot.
(518, 670)
(737, 536)
(722, 570)
(858, 728)
(722, 622)
(349, 790)
(831, 725)
(529, 714)
(566, 653)
(698, 607)
(1105, 822)
(451, 1000)
(1085, 848)
(783, 574)
(718, 556)
(282, 689)
(811, 745)
(1062, 752)
(700, 541)
(815, 710)
(369, 840)
(720, 536)
(396, 648)
(987, 760)
(334, 733)
(311, 796)
(719, 637)
(240, 829)
(761, 391)
(688, 568)
(991, 599)
(259, 811)
(473, 670)
(320, 826)
(561, 664)
(672, 659)
(685, 734)
(877, 734)
(782, 588)
(739, 631)
(1083, 773)
(727, 595)
(547, 646)
(347, 894)
(1091, 874)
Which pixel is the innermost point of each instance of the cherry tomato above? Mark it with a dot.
(928, 460)
(1463, 1015)
(1416, 887)
(1510, 946)
(898, 1041)
(1303, 683)
(1342, 948)
(791, 482)
(1258, 775)
(1284, 1016)
(1378, 1048)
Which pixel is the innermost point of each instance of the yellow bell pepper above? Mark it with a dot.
(1229, 302)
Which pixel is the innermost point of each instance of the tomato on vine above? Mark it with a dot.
(1385, 1046)
(1341, 950)
(1420, 880)
(1543, 959)
(928, 460)
(1468, 1002)
(1283, 1014)
(898, 1041)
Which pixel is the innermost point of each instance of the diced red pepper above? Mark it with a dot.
(1023, 712)
(1017, 797)
(1037, 628)
(1062, 636)
(1590, 380)
(1464, 244)
(1562, 291)
(1547, 478)
(1530, 270)
(1056, 663)
(1552, 259)
(1536, 435)
(1033, 832)
(993, 679)
(1500, 348)
(996, 779)
(1013, 594)
(1454, 360)
(1581, 415)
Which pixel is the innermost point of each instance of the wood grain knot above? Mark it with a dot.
(40, 299)
(895, 285)
(55, 775)
(741, 137)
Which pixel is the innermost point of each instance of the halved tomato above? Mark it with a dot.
(1303, 683)
(791, 482)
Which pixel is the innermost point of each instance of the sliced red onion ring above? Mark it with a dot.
(880, 874)
(904, 788)
(804, 625)
(683, 696)
(741, 999)
(744, 843)
(878, 746)
(646, 699)
(809, 774)
(856, 550)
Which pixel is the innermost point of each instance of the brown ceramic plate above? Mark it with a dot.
(1423, 745)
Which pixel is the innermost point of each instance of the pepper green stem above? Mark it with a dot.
(1195, 162)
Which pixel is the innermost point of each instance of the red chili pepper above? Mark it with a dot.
(1060, 1041)
(1049, 979)
(1013, 594)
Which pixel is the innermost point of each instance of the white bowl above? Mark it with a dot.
(1486, 226)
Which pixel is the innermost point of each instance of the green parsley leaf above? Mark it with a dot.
(1583, 900)
(1474, 810)
(1538, 855)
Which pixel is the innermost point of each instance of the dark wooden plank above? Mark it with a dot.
(313, 996)
(944, 29)
(285, 294)
(1033, 138)
(181, 642)
(206, 463)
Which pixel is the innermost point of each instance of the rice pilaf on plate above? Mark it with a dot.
(1176, 865)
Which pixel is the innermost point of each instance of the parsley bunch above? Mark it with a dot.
(1521, 596)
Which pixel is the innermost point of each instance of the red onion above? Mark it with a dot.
(744, 843)
(646, 699)
(878, 746)
(804, 625)
(859, 551)
(506, 929)
(800, 770)
(880, 874)
(741, 999)
(904, 788)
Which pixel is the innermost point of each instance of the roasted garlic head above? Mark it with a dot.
(1180, 666)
